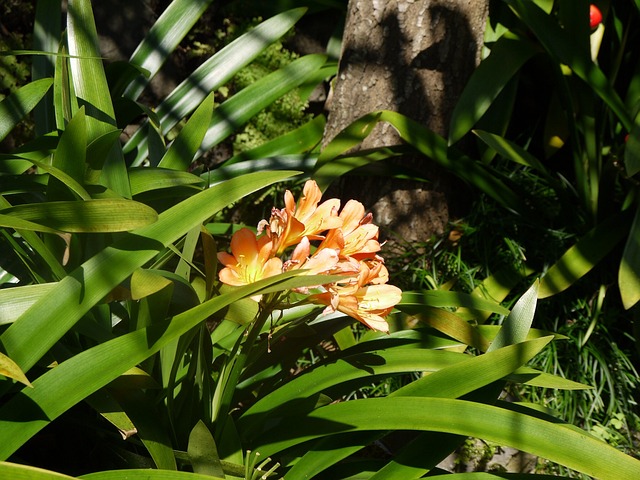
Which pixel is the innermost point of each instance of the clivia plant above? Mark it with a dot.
(123, 322)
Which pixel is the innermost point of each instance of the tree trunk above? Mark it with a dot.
(412, 57)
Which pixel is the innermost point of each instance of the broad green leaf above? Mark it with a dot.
(629, 272)
(78, 377)
(454, 374)
(203, 452)
(46, 38)
(18, 104)
(9, 369)
(536, 378)
(511, 151)
(516, 326)
(162, 38)
(583, 256)
(460, 378)
(453, 326)
(145, 416)
(183, 149)
(239, 109)
(302, 139)
(26, 472)
(145, 179)
(146, 282)
(442, 298)
(107, 215)
(507, 57)
(283, 400)
(213, 74)
(72, 147)
(16, 300)
(552, 441)
(87, 72)
(426, 142)
(302, 163)
(33, 334)
(145, 474)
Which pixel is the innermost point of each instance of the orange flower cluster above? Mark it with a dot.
(348, 245)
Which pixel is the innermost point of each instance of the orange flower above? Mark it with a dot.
(250, 259)
(369, 305)
(288, 226)
(367, 299)
(357, 237)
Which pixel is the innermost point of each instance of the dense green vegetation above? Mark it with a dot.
(148, 323)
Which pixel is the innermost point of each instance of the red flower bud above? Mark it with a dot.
(595, 16)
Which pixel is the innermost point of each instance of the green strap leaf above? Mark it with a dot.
(203, 452)
(103, 215)
(83, 374)
(516, 326)
(574, 449)
(507, 57)
(629, 272)
(16, 300)
(9, 369)
(34, 333)
(578, 260)
(426, 142)
(183, 149)
(25, 472)
(212, 74)
(164, 36)
(19, 103)
(146, 474)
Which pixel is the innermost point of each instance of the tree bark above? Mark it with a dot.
(413, 57)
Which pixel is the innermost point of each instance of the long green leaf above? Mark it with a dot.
(65, 385)
(46, 38)
(33, 334)
(213, 74)
(88, 75)
(629, 272)
(146, 474)
(442, 298)
(454, 374)
(19, 103)
(516, 326)
(578, 260)
(17, 300)
(552, 441)
(426, 142)
(26, 472)
(145, 179)
(181, 152)
(239, 109)
(164, 36)
(107, 215)
(507, 57)
(464, 377)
